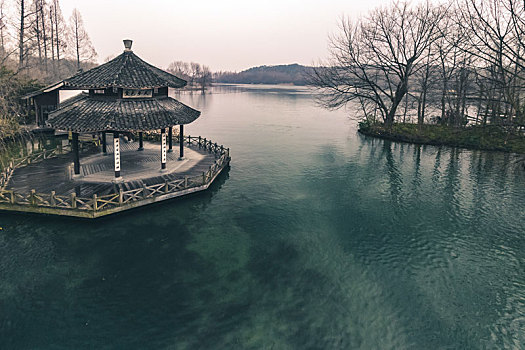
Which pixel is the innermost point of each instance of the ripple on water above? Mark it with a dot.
(317, 237)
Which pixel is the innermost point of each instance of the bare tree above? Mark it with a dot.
(494, 30)
(424, 83)
(80, 42)
(3, 30)
(374, 58)
(38, 31)
(23, 14)
(52, 33)
(59, 33)
(195, 69)
(205, 77)
(45, 39)
(180, 69)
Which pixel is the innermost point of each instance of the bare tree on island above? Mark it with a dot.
(205, 77)
(80, 43)
(195, 69)
(494, 32)
(372, 59)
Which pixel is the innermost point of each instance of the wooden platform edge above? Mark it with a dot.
(73, 206)
(89, 214)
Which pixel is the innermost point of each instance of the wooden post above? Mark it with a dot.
(186, 181)
(73, 200)
(52, 200)
(37, 113)
(170, 139)
(116, 153)
(76, 157)
(12, 199)
(104, 146)
(163, 149)
(120, 197)
(141, 142)
(181, 142)
(95, 205)
(144, 189)
(32, 197)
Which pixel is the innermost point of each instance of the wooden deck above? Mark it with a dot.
(47, 185)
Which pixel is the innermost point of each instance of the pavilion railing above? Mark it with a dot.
(96, 203)
(33, 157)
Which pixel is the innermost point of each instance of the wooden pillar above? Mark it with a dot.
(116, 153)
(181, 142)
(163, 149)
(141, 142)
(104, 146)
(76, 157)
(170, 139)
(37, 114)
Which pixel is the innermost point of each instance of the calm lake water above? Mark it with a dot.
(316, 238)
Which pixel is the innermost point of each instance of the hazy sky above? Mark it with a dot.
(223, 34)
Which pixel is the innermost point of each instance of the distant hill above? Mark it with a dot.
(282, 74)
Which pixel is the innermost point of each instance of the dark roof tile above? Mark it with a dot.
(85, 114)
(124, 71)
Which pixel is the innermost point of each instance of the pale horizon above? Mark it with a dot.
(226, 36)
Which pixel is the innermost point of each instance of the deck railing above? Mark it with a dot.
(34, 157)
(105, 204)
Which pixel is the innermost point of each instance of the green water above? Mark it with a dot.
(316, 238)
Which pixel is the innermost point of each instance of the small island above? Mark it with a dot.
(489, 138)
(431, 74)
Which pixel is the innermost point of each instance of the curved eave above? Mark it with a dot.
(85, 114)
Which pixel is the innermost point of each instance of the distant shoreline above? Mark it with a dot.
(292, 74)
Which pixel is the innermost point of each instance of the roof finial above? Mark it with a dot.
(127, 44)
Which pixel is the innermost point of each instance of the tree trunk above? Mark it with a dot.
(419, 103)
(443, 100)
(77, 45)
(398, 98)
(52, 39)
(44, 38)
(21, 38)
(57, 37)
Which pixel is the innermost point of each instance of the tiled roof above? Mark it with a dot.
(85, 114)
(124, 71)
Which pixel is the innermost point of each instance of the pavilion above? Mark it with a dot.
(123, 95)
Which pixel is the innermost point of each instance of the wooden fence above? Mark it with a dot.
(34, 157)
(96, 206)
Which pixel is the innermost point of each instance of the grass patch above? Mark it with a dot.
(489, 138)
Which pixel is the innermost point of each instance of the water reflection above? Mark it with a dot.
(320, 238)
(450, 250)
